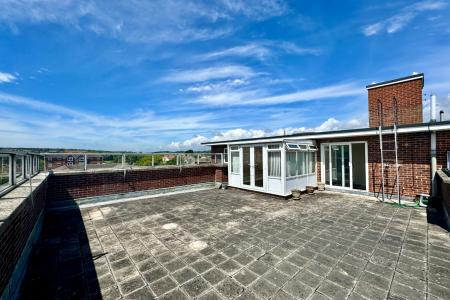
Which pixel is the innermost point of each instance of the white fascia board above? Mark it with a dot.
(395, 82)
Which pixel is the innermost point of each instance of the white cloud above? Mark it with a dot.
(373, 29)
(199, 75)
(295, 49)
(401, 19)
(261, 50)
(239, 133)
(255, 97)
(30, 122)
(141, 21)
(7, 77)
(250, 50)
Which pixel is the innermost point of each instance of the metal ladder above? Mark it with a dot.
(383, 150)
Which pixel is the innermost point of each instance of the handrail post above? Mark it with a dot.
(153, 160)
(198, 159)
(123, 161)
(85, 162)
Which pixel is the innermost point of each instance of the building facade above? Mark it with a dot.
(400, 162)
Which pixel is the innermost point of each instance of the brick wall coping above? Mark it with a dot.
(96, 171)
(15, 198)
(444, 177)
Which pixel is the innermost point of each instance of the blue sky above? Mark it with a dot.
(167, 75)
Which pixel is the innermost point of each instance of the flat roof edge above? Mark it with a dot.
(397, 80)
(411, 128)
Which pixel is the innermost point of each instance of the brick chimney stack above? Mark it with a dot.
(407, 91)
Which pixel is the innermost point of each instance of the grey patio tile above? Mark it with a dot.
(175, 265)
(287, 268)
(141, 294)
(258, 267)
(243, 258)
(438, 291)
(333, 290)
(297, 289)
(282, 295)
(263, 288)
(154, 274)
(211, 295)
(378, 281)
(245, 277)
(276, 277)
(369, 291)
(229, 288)
(247, 295)
(217, 258)
(130, 285)
(214, 276)
(307, 277)
(147, 265)
(163, 285)
(184, 275)
(201, 266)
(195, 287)
(406, 292)
(229, 267)
(269, 259)
(174, 295)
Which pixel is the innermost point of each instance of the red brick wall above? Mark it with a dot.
(73, 186)
(442, 147)
(15, 231)
(414, 159)
(409, 103)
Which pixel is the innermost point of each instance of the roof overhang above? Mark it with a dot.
(361, 132)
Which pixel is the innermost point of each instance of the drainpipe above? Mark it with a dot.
(433, 146)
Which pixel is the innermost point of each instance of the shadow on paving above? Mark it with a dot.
(435, 214)
(62, 265)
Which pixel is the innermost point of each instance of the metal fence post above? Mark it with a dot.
(198, 159)
(153, 161)
(123, 161)
(85, 162)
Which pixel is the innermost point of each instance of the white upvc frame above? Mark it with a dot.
(238, 150)
(322, 164)
(448, 159)
(279, 149)
(252, 185)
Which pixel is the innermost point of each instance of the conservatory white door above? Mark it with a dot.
(252, 167)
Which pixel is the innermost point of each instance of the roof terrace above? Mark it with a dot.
(167, 232)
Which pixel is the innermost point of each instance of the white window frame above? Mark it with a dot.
(235, 149)
(281, 161)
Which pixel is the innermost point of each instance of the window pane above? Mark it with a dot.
(19, 166)
(301, 163)
(275, 146)
(274, 163)
(4, 172)
(291, 164)
(235, 162)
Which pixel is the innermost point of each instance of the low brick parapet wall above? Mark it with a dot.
(66, 186)
(443, 189)
(20, 212)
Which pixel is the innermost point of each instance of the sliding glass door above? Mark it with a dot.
(344, 165)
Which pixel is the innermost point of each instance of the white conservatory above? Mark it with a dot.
(274, 168)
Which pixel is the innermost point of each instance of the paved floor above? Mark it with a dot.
(232, 244)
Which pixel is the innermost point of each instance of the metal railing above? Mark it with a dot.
(16, 167)
(66, 162)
